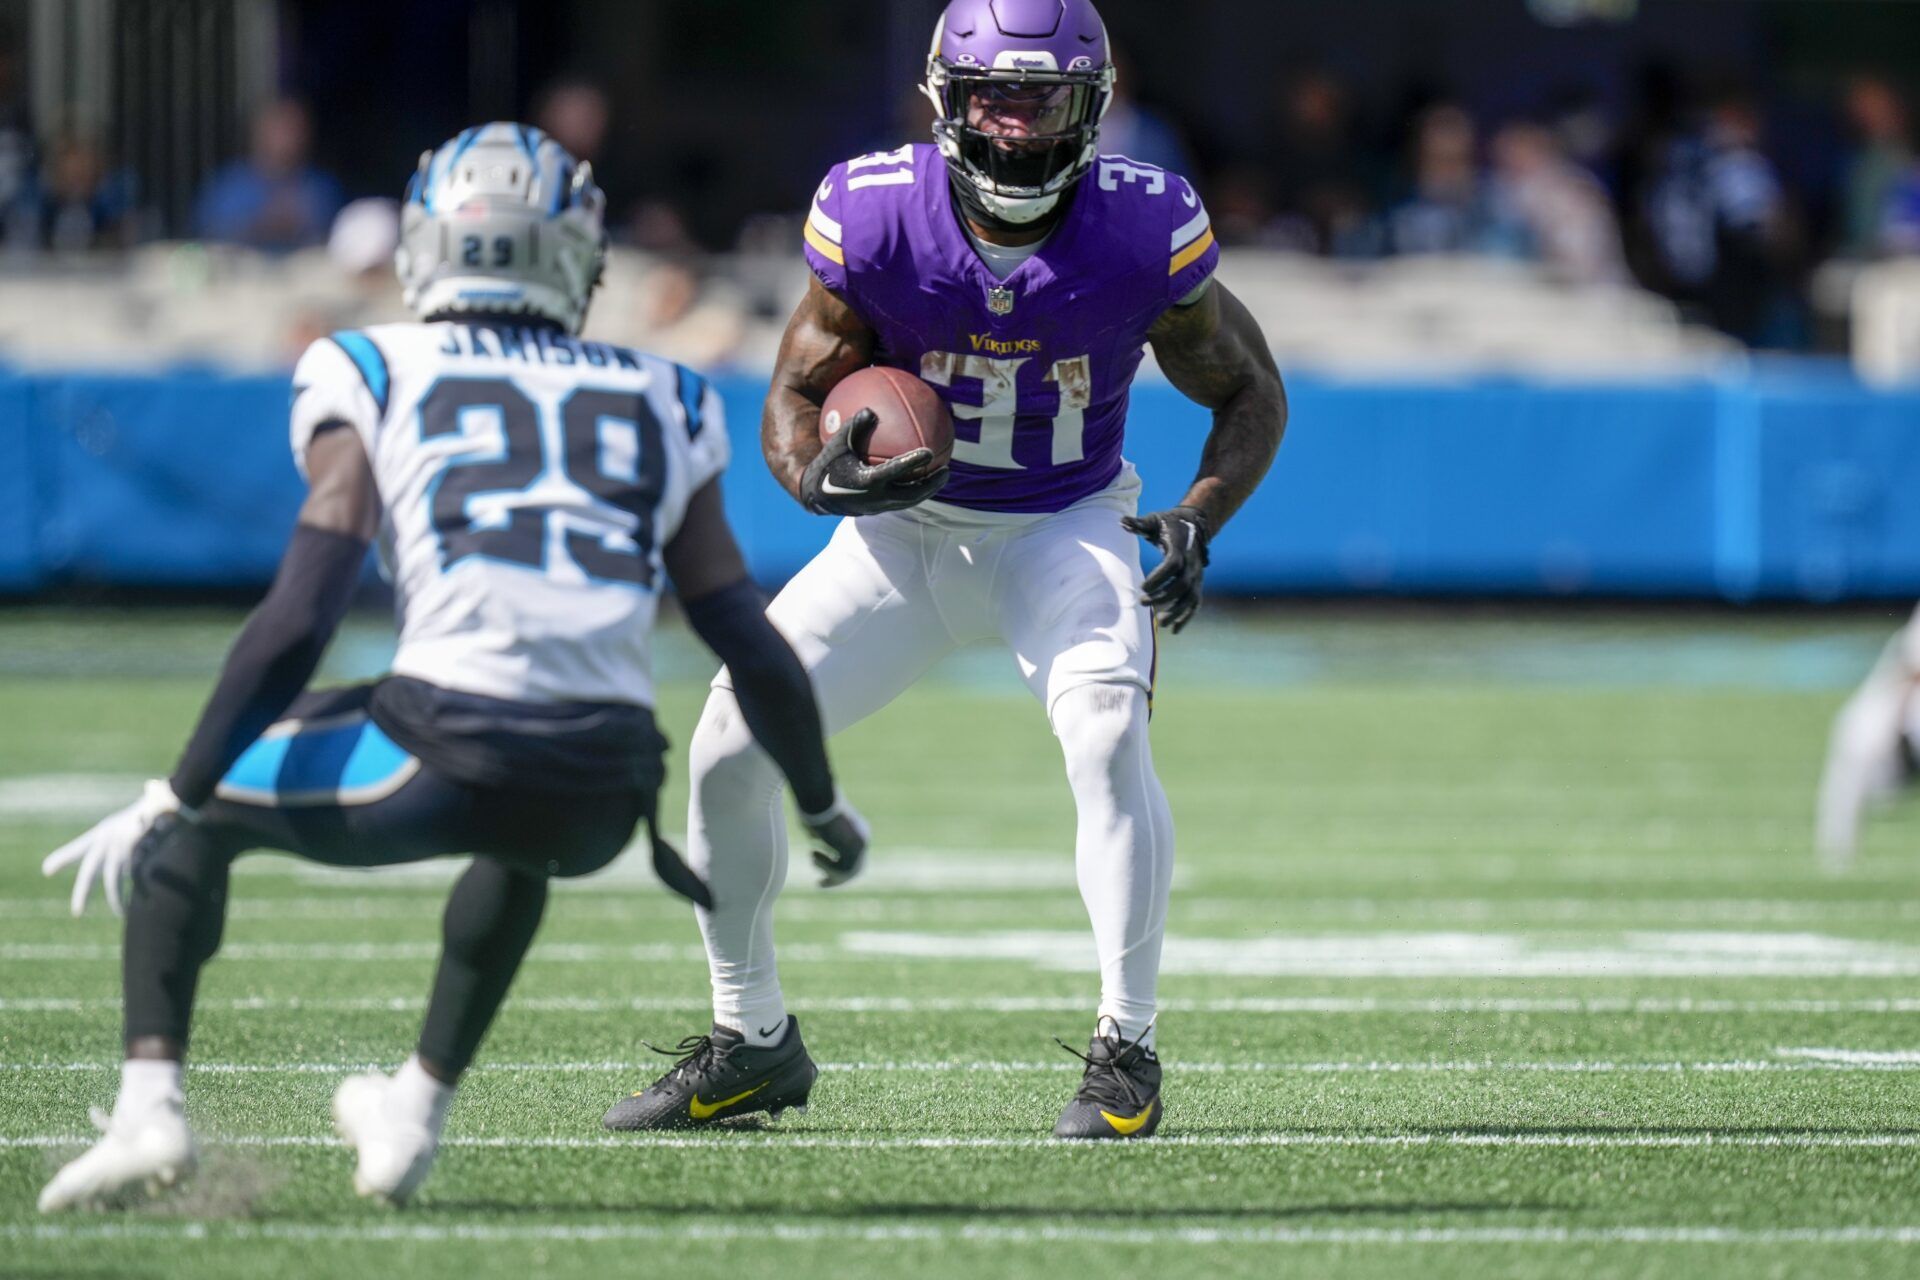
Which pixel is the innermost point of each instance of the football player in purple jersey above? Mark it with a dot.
(1023, 274)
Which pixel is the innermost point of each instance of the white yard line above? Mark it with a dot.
(385, 952)
(1862, 1140)
(1636, 953)
(1398, 954)
(1854, 1057)
(1901, 1062)
(986, 1233)
(960, 1233)
(1599, 1006)
(421, 901)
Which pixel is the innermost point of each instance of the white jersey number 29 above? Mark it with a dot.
(1000, 402)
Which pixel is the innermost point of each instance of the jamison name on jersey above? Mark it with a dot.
(534, 344)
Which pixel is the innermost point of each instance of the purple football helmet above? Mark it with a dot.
(1019, 87)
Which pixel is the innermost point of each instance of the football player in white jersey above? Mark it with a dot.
(1871, 754)
(530, 493)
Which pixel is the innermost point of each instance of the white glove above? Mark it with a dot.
(845, 834)
(106, 852)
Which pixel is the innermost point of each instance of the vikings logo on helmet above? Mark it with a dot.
(502, 220)
(1017, 131)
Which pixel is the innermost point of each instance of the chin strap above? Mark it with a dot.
(974, 202)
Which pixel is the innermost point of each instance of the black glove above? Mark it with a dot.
(1173, 589)
(838, 483)
(843, 837)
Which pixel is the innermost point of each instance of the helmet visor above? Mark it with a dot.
(1021, 135)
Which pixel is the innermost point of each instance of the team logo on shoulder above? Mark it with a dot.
(1000, 300)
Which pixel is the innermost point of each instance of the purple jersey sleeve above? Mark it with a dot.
(825, 232)
(1195, 254)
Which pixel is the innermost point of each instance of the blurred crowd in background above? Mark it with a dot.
(1681, 192)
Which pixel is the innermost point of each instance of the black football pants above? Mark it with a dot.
(337, 812)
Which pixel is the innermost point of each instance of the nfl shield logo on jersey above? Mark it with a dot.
(1000, 301)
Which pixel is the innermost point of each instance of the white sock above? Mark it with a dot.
(417, 1098)
(737, 843)
(1123, 850)
(146, 1083)
(758, 1031)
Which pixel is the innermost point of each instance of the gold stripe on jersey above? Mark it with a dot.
(824, 247)
(1191, 254)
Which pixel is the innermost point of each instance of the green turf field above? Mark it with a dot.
(1496, 949)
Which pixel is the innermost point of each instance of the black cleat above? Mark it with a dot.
(1119, 1095)
(720, 1076)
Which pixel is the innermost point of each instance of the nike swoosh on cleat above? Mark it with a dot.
(1126, 1127)
(704, 1110)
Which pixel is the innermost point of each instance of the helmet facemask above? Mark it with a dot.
(502, 221)
(1017, 140)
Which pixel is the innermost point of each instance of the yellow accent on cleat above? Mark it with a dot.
(704, 1110)
(1128, 1127)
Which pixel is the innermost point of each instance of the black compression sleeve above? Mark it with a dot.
(773, 690)
(274, 656)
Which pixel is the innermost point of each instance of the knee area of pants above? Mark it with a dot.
(186, 854)
(723, 752)
(490, 896)
(1100, 725)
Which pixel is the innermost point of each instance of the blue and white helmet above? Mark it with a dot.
(502, 220)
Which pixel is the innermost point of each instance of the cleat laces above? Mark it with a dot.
(698, 1056)
(1107, 1083)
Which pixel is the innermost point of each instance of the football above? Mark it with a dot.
(912, 414)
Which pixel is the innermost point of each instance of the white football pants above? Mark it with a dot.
(889, 597)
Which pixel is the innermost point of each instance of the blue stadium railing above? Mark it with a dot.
(1789, 482)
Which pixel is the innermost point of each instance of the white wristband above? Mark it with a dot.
(835, 810)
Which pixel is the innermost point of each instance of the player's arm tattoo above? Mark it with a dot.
(1214, 352)
(825, 341)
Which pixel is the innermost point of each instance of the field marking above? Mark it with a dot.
(964, 1233)
(1897, 1062)
(59, 797)
(1863, 1140)
(1631, 954)
(906, 869)
(606, 901)
(1599, 1006)
(959, 1233)
(386, 952)
(1635, 953)
(1855, 1057)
